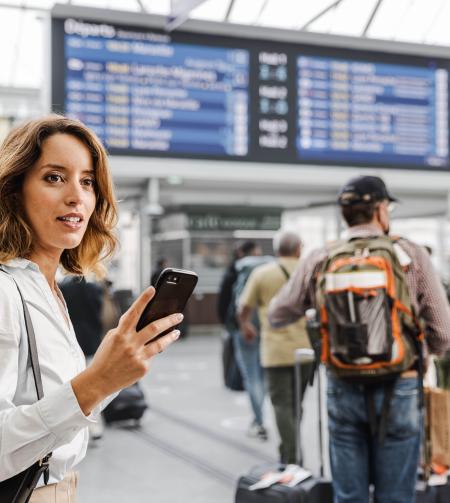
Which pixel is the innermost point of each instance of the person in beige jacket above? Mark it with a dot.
(277, 345)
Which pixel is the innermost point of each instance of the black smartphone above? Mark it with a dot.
(173, 289)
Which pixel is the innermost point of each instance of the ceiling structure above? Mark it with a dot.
(23, 22)
(23, 31)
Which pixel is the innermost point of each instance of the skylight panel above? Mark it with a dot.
(161, 7)
(351, 17)
(325, 22)
(245, 12)
(130, 5)
(389, 17)
(211, 10)
(308, 10)
(438, 32)
(417, 20)
(282, 13)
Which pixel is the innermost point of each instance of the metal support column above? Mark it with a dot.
(149, 208)
(144, 244)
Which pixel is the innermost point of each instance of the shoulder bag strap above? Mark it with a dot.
(285, 271)
(34, 359)
(32, 349)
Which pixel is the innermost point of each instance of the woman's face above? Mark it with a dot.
(58, 194)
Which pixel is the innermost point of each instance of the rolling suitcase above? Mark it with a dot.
(434, 494)
(129, 405)
(311, 490)
(232, 376)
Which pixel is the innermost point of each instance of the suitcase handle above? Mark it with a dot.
(305, 355)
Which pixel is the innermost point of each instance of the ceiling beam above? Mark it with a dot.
(22, 7)
(261, 10)
(320, 14)
(228, 14)
(435, 18)
(371, 18)
(142, 6)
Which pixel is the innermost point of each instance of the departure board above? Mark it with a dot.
(190, 95)
(363, 111)
(153, 95)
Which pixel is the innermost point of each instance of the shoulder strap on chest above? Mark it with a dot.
(284, 270)
(33, 354)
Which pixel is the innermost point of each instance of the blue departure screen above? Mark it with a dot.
(353, 111)
(195, 95)
(139, 91)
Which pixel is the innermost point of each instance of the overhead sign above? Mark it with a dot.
(218, 222)
(199, 96)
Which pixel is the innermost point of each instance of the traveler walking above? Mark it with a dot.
(247, 256)
(231, 373)
(277, 345)
(248, 349)
(367, 287)
(225, 295)
(57, 208)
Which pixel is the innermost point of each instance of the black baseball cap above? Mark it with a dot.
(364, 189)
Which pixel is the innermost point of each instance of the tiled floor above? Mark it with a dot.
(192, 445)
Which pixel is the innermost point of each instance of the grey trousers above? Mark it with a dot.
(281, 388)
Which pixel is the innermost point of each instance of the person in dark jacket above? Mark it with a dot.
(226, 287)
(225, 297)
(246, 353)
(84, 301)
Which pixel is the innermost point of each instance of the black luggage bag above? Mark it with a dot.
(129, 404)
(312, 490)
(434, 494)
(232, 376)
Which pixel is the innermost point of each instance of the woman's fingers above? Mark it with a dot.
(130, 318)
(160, 344)
(158, 327)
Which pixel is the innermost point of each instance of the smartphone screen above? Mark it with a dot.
(173, 289)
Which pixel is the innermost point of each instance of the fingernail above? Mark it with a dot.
(179, 317)
(176, 334)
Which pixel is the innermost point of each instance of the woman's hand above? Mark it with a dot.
(124, 354)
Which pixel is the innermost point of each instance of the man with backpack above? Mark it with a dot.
(380, 306)
(277, 345)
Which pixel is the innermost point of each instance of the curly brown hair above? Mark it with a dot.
(18, 154)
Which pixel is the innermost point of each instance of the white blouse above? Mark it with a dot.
(30, 429)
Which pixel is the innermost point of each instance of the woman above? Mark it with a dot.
(57, 209)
